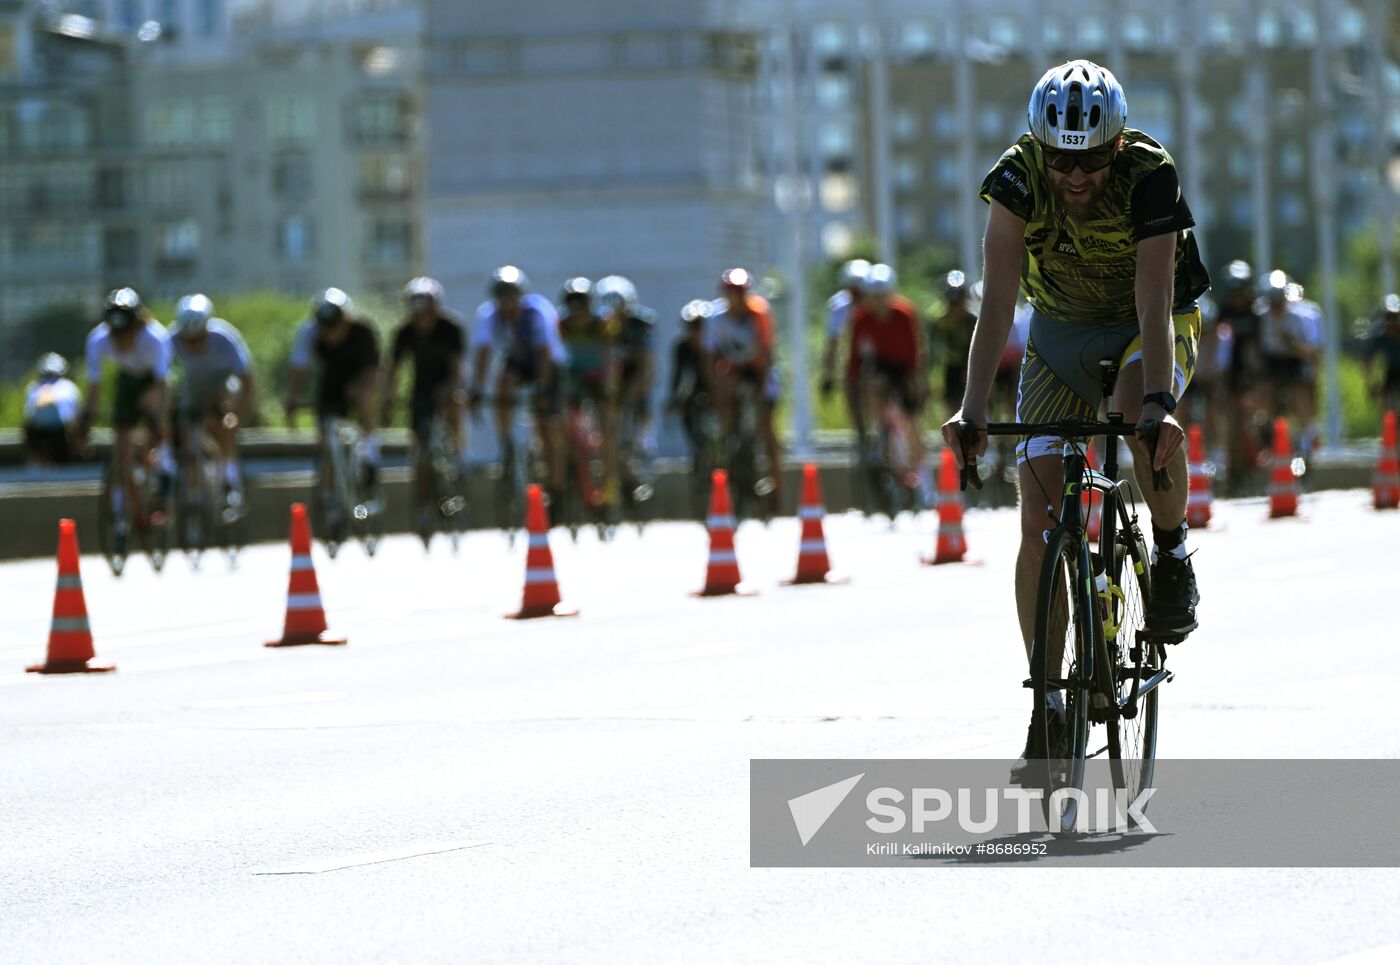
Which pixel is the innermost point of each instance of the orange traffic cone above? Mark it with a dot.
(1092, 508)
(70, 637)
(722, 574)
(1198, 481)
(951, 546)
(813, 565)
(1283, 485)
(541, 598)
(306, 620)
(1387, 482)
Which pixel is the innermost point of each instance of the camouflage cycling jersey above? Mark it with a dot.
(1084, 270)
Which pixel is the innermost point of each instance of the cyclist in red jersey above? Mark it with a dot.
(885, 331)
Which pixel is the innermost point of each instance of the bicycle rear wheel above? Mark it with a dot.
(1059, 654)
(1132, 741)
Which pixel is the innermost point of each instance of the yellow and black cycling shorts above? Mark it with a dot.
(1060, 375)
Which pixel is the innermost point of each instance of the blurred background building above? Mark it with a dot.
(290, 144)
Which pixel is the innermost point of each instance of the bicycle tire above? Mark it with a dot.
(1132, 742)
(106, 528)
(1060, 749)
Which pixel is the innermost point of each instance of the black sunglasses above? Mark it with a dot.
(1086, 161)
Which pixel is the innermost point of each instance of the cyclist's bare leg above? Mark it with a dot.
(1168, 507)
(1040, 478)
(722, 392)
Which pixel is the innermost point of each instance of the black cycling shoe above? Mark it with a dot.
(1174, 596)
(1022, 771)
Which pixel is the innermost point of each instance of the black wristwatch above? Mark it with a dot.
(1165, 399)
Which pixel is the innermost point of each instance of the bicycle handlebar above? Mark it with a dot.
(1067, 428)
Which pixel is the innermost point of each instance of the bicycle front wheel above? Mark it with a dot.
(1059, 678)
(1132, 741)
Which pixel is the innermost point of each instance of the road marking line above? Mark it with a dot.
(374, 857)
(234, 703)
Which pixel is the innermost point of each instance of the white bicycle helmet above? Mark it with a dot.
(853, 273)
(192, 314)
(881, 280)
(1077, 106)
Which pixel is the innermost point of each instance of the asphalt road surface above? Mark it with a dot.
(456, 787)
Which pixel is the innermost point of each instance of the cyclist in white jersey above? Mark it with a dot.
(139, 346)
(520, 329)
(216, 384)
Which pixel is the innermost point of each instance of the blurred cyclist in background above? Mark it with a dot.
(838, 317)
(594, 368)
(431, 338)
(615, 298)
(738, 347)
(53, 408)
(139, 346)
(348, 351)
(688, 394)
(1289, 337)
(216, 381)
(1384, 344)
(887, 345)
(950, 336)
(521, 329)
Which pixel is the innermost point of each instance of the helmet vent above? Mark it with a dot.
(1052, 115)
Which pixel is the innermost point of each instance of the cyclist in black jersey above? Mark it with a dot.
(348, 352)
(433, 340)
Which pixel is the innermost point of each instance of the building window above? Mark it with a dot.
(991, 124)
(170, 124)
(838, 192)
(906, 173)
(129, 15)
(391, 243)
(291, 177)
(1004, 32)
(908, 224)
(1242, 211)
(945, 172)
(378, 119)
(215, 122)
(833, 92)
(168, 13)
(169, 186)
(210, 12)
(837, 239)
(1137, 33)
(385, 176)
(835, 140)
(1291, 211)
(944, 123)
(831, 41)
(294, 240)
(291, 120)
(1091, 33)
(1290, 162)
(917, 39)
(904, 125)
(179, 241)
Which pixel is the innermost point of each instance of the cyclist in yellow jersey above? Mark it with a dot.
(1089, 214)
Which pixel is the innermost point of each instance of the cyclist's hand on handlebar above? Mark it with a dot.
(1170, 435)
(965, 450)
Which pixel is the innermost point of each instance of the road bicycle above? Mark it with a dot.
(441, 485)
(1092, 650)
(751, 482)
(583, 499)
(132, 504)
(209, 513)
(889, 477)
(345, 503)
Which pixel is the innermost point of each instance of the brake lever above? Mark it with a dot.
(967, 435)
(1161, 478)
